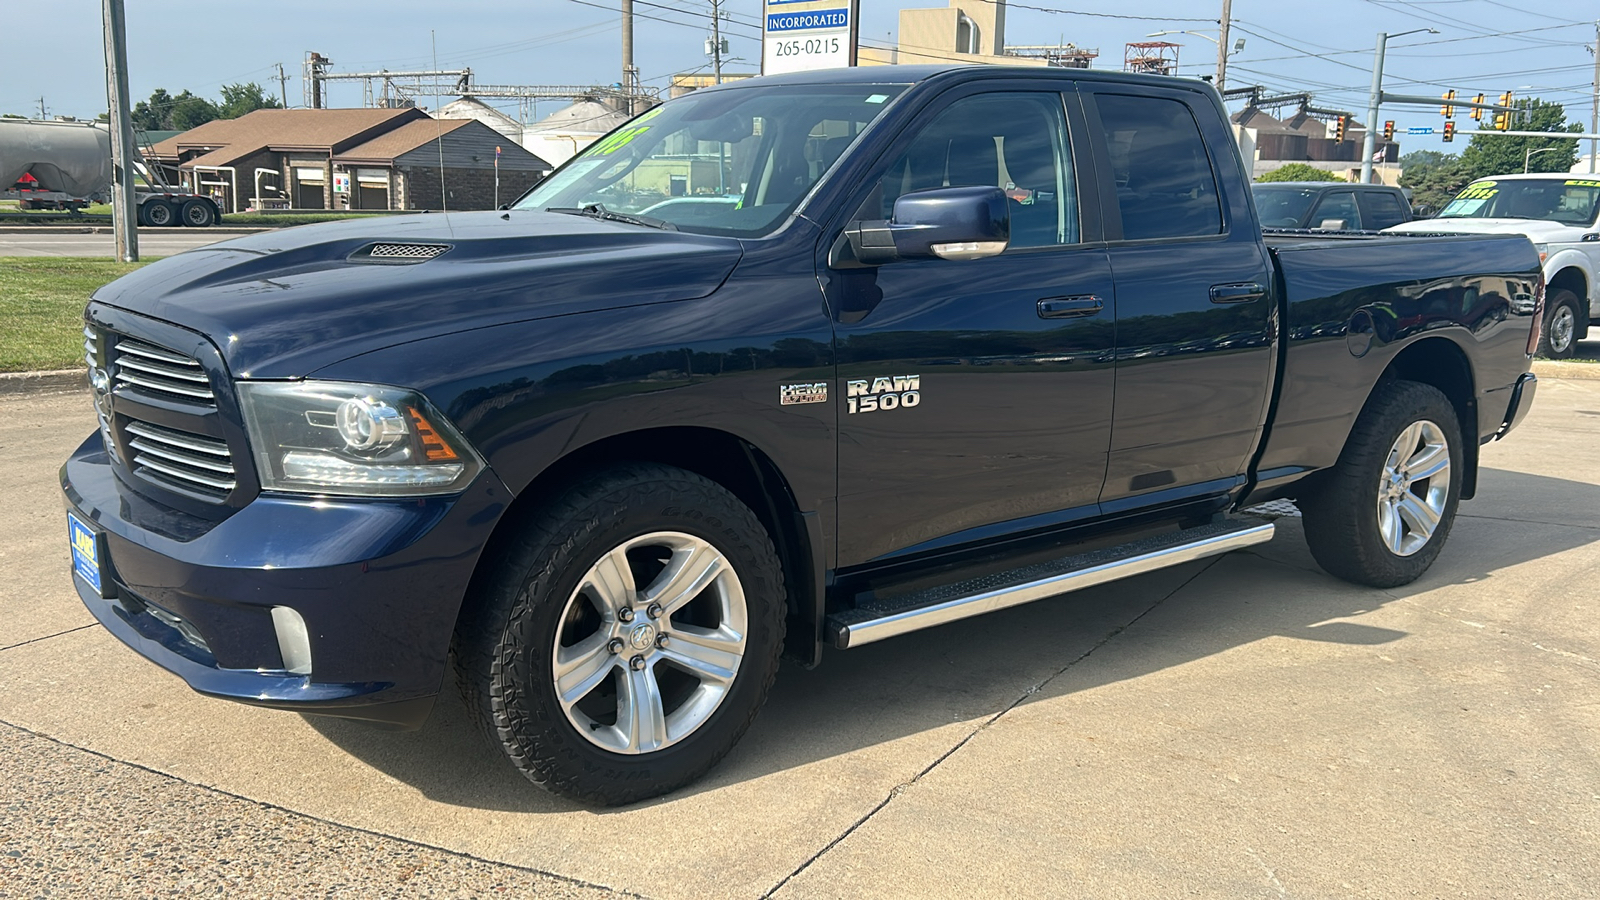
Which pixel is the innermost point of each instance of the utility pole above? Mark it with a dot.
(1369, 140)
(123, 210)
(283, 87)
(1594, 104)
(716, 40)
(628, 75)
(1222, 45)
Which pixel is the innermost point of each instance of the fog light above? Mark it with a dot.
(294, 642)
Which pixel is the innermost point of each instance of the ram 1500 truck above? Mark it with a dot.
(798, 363)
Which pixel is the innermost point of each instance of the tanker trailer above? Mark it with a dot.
(67, 165)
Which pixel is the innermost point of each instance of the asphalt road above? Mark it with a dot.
(152, 242)
(1240, 727)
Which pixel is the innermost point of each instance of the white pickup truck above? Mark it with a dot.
(1561, 215)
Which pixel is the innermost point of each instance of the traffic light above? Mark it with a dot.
(1340, 125)
(1388, 130)
(1502, 120)
(1477, 111)
(1449, 132)
(1448, 110)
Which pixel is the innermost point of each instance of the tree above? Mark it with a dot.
(164, 112)
(238, 99)
(1494, 155)
(1298, 172)
(1434, 179)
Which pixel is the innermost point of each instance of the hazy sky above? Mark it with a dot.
(1529, 46)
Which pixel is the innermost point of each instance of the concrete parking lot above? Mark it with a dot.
(1241, 727)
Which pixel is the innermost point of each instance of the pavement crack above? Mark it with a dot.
(315, 818)
(1271, 875)
(1529, 521)
(48, 637)
(983, 726)
(1555, 651)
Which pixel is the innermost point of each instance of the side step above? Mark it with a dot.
(947, 603)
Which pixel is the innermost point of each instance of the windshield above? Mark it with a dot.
(1282, 207)
(733, 162)
(1571, 201)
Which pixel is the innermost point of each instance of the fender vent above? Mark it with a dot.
(398, 253)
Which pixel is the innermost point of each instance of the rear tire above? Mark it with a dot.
(1382, 514)
(1562, 319)
(156, 214)
(559, 650)
(199, 214)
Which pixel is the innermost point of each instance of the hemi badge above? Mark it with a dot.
(809, 392)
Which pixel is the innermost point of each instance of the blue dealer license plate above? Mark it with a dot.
(85, 552)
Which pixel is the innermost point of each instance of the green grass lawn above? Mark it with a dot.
(41, 306)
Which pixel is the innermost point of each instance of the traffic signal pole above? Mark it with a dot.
(1369, 140)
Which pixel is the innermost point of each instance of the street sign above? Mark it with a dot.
(1424, 129)
(800, 35)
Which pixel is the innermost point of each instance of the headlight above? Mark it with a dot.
(331, 437)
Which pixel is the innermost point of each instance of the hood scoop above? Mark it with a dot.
(395, 253)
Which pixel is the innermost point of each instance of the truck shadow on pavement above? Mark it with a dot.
(959, 675)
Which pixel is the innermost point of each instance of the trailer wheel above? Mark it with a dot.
(156, 213)
(199, 214)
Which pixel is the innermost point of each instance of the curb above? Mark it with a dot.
(1577, 371)
(51, 382)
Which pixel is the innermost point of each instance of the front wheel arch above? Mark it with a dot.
(736, 464)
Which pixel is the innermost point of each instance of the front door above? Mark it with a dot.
(975, 396)
(1194, 298)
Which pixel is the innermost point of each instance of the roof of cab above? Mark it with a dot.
(920, 73)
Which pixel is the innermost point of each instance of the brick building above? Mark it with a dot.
(347, 159)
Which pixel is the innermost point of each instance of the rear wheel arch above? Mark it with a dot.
(1441, 362)
(727, 459)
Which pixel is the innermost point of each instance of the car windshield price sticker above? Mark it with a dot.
(800, 35)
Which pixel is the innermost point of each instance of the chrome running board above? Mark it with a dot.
(948, 603)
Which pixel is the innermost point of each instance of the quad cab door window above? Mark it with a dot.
(1009, 354)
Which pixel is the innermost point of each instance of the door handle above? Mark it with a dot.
(1070, 307)
(1237, 293)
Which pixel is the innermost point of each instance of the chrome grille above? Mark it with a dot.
(163, 371)
(191, 463)
(417, 252)
(91, 347)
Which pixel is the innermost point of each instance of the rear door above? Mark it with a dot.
(975, 395)
(1381, 209)
(1194, 358)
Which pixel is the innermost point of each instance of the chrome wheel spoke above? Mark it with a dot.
(611, 581)
(1389, 525)
(1418, 515)
(707, 655)
(581, 667)
(1431, 460)
(690, 571)
(640, 716)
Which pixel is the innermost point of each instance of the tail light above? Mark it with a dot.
(1537, 331)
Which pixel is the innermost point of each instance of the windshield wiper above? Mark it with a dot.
(598, 211)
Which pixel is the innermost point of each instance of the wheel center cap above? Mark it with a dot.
(642, 636)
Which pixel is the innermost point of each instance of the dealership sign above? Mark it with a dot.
(799, 35)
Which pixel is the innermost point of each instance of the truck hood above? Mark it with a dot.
(1537, 230)
(282, 304)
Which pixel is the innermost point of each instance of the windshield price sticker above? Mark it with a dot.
(1580, 183)
(1481, 190)
(800, 36)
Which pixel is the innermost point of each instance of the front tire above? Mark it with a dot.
(625, 639)
(1383, 513)
(1562, 315)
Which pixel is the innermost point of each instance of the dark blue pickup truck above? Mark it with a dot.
(798, 363)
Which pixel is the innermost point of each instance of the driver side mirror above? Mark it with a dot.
(941, 223)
